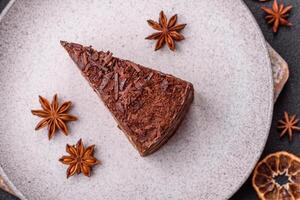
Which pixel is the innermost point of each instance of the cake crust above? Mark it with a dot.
(148, 105)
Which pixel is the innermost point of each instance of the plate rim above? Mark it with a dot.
(271, 100)
(7, 181)
(270, 106)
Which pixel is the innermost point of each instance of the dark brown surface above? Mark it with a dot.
(148, 105)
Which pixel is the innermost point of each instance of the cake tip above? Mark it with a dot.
(63, 43)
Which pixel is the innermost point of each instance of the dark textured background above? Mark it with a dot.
(287, 44)
(2, 4)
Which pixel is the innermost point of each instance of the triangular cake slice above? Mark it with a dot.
(148, 105)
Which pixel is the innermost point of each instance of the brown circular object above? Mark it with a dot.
(277, 164)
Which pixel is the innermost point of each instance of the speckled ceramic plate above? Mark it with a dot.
(214, 150)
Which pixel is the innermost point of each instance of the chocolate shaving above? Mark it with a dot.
(76, 55)
(100, 74)
(122, 84)
(120, 107)
(137, 94)
(89, 50)
(116, 88)
(135, 66)
(158, 133)
(97, 84)
(126, 96)
(150, 126)
(104, 68)
(149, 76)
(76, 46)
(93, 63)
(184, 94)
(95, 56)
(91, 71)
(108, 58)
(148, 89)
(127, 89)
(142, 136)
(105, 97)
(136, 105)
(140, 84)
(136, 80)
(105, 80)
(84, 58)
(101, 55)
(159, 104)
(120, 70)
(164, 85)
(86, 68)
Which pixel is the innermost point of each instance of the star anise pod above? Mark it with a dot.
(168, 31)
(277, 15)
(54, 116)
(81, 159)
(288, 125)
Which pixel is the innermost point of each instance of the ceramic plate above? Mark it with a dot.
(213, 151)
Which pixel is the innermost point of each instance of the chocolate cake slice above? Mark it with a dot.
(148, 105)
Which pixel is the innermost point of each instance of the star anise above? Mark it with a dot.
(80, 159)
(288, 125)
(54, 117)
(277, 15)
(168, 32)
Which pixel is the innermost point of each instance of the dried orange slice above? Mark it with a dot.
(277, 177)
